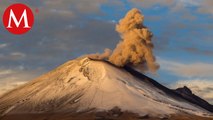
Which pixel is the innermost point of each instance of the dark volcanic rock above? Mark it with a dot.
(184, 90)
(187, 94)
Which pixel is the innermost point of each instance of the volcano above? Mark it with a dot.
(89, 89)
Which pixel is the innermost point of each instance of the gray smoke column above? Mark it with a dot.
(136, 46)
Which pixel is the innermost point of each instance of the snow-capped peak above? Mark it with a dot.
(84, 84)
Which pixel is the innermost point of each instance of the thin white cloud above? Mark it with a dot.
(80, 6)
(150, 3)
(187, 70)
(203, 6)
(206, 7)
(190, 2)
(3, 45)
(5, 87)
(12, 56)
(201, 87)
(5, 72)
(17, 54)
(12, 78)
(194, 72)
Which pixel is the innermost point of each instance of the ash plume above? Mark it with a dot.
(135, 47)
(101, 56)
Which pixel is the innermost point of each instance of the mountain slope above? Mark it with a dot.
(87, 85)
(183, 93)
(186, 93)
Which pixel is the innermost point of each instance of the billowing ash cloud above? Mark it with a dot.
(102, 56)
(136, 46)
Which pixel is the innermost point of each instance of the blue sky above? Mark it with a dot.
(66, 29)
